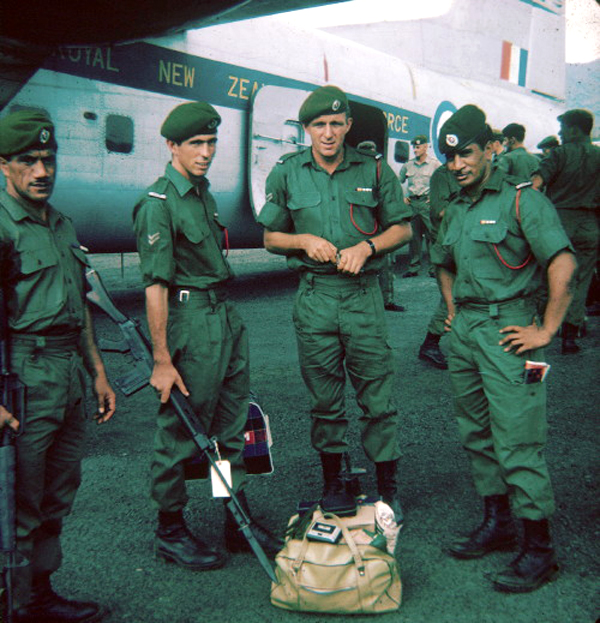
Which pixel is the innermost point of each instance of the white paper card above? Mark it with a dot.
(218, 488)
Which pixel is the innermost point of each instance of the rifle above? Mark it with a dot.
(12, 397)
(136, 343)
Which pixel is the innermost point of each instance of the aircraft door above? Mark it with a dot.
(274, 131)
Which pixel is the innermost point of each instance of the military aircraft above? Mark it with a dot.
(108, 103)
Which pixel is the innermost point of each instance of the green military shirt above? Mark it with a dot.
(345, 208)
(519, 163)
(442, 189)
(572, 175)
(179, 234)
(469, 231)
(43, 270)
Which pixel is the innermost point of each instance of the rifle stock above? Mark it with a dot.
(136, 343)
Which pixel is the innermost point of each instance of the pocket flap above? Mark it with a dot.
(361, 198)
(489, 232)
(36, 259)
(304, 200)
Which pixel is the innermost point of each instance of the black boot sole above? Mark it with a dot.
(170, 559)
(549, 575)
(505, 546)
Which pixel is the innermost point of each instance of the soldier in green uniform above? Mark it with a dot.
(548, 144)
(571, 174)
(416, 173)
(517, 161)
(335, 218)
(199, 341)
(496, 241)
(42, 276)
(442, 188)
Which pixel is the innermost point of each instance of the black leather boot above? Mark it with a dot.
(335, 498)
(387, 487)
(431, 353)
(536, 563)
(235, 541)
(496, 532)
(174, 543)
(48, 607)
(569, 332)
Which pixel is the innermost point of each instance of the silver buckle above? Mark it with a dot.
(183, 296)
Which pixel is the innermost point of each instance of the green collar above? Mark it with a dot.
(351, 156)
(493, 184)
(181, 183)
(19, 212)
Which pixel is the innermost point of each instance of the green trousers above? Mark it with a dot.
(582, 228)
(501, 420)
(421, 226)
(49, 455)
(387, 279)
(340, 326)
(209, 347)
(437, 322)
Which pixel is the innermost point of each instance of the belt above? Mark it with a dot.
(194, 296)
(340, 280)
(493, 309)
(417, 197)
(40, 342)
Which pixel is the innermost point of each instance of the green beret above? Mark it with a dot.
(24, 130)
(578, 117)
(419, 140)
(191, 119)
(327, 100)
(549, 141)
(467, 125)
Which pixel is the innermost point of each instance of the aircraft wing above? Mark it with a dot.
(29, 32)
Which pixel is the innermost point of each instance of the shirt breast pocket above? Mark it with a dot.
(362, 216)
(485, 261)
(192, 230)
(41, 290)
(305, 209)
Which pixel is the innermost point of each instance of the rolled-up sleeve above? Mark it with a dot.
(152, 225)
(275, 215)
(542, 227)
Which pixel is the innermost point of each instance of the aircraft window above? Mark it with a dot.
(401, 152)
(119, 134)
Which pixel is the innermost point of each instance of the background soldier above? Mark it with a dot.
(321, 204)
(547, 144)
(571, 173)
(442, 188)
(488, 279)
(51, 337)
(517, 161)
(497, 145)
(417, 173)
(198, 339)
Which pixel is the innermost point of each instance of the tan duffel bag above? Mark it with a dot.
(352, 576)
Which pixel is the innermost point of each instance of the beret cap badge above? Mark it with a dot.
(452, 140)
(44, 136)
(336, 105)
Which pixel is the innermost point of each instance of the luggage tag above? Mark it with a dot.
(218, 488)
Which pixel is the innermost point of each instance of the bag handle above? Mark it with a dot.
(358, 561)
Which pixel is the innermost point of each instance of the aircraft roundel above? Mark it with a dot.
(444, 111)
